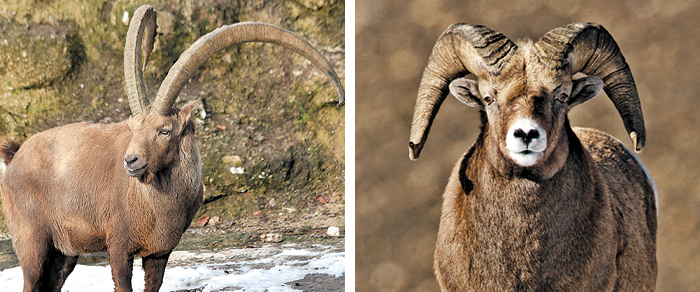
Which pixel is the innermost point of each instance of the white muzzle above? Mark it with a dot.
(526, 142)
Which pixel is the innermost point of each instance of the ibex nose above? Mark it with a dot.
(134, 164)
(131, 159)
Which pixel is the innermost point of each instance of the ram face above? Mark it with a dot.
(525, 91)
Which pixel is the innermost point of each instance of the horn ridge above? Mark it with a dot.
(460, 50)
(229, 35)
(590, 49)
(141, 28)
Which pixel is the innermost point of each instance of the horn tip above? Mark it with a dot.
(638, 143)
(341, 99)
(414, 150)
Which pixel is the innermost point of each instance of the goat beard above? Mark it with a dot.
(146, 177)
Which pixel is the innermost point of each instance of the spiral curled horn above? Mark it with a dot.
(589, 48)
(141, 28)
(460, 50)
(229, 35)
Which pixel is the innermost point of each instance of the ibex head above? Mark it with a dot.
(158, 129)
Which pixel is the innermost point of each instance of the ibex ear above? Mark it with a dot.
(186, 112)
(467, 91)
(584, 89)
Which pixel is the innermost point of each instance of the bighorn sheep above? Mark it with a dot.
(534, 204)
(130, 188)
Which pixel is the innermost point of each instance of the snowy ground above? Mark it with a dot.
(273, 267)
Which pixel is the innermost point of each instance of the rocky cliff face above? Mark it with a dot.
(270, 126)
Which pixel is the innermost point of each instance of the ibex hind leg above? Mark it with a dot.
(32, 251)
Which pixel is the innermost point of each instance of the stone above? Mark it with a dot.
(234, 164)
(271, 237)
(36, 55)
(203, 220)
(333, 231)
(232, 160)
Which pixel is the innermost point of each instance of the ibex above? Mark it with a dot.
(130, 188)
(534, 204)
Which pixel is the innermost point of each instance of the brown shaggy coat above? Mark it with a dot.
(591, 227)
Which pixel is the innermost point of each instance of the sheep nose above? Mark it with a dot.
(526, 135)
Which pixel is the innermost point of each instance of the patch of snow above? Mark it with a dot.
(296, 252)
(263, 269)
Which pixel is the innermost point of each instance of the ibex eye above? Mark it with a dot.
(488, 100)
(164, 132)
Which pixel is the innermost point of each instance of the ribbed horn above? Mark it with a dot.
(590, 49)
(142, 27)
(460, 50)
(229, 35)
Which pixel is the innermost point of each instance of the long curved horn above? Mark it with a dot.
(229, 35)
(590, 49)
(142, 27)
(460, 50)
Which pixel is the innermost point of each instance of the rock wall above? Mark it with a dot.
(270, 125)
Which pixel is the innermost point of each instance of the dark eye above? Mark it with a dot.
(488, 100)
(164, 132)
(563, 97)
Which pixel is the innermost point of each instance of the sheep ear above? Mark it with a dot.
(467, 91)
(584, 89)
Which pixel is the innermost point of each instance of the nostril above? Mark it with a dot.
(533, 134)
(526, 137)
(131, 159)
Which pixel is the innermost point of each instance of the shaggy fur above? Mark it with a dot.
(535, 205)
(572, 232)
(8, 149)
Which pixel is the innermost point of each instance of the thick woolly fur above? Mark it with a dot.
(66, 192)
(582, 218)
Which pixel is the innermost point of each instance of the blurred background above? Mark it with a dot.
(398, 201)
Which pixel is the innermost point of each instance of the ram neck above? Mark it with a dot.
(522, 231)
(568, 173)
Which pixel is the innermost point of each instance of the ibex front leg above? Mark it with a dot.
(122, 266)
(154, 267)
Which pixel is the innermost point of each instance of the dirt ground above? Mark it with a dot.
(398, 201)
